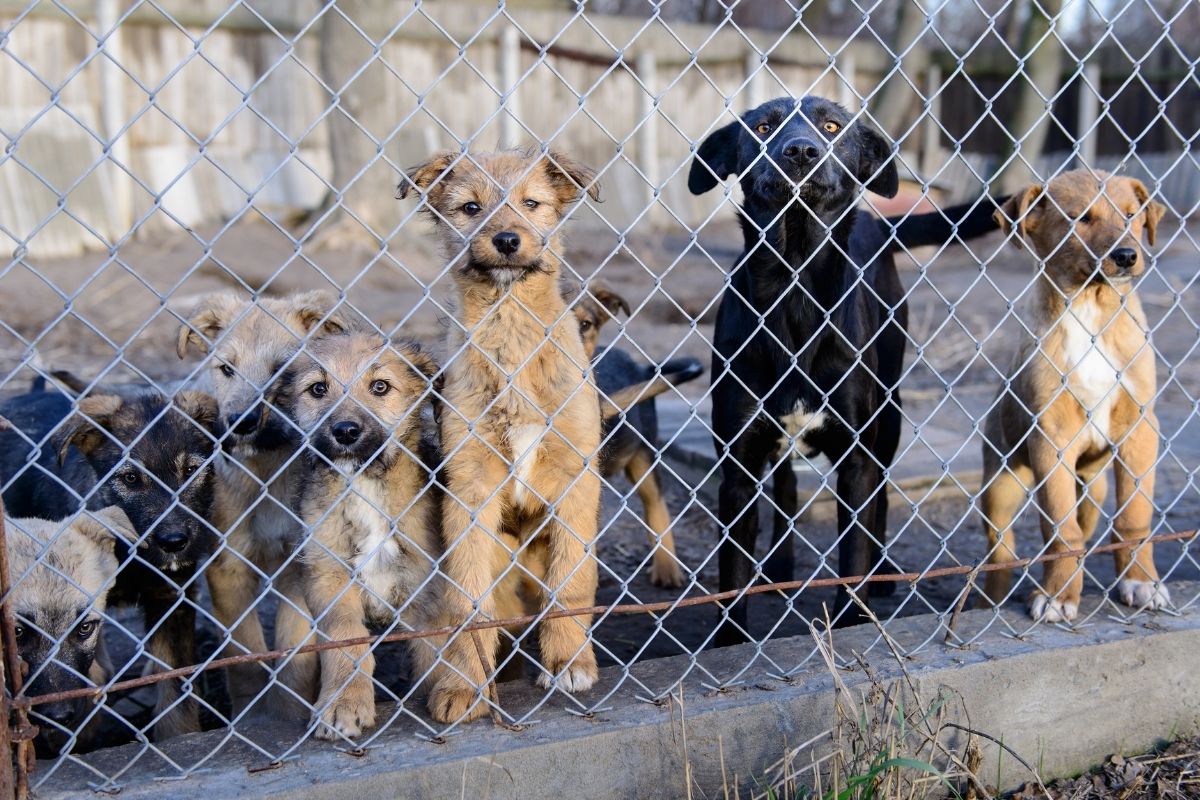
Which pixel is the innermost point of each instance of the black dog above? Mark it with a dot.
(149, 456)
(809, 341)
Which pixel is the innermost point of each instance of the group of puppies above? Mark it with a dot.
(369, 485)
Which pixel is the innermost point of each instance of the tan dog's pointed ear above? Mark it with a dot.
(570, 177)
(211, 315)
(422, 176)
(104, 526)
(86, 429)
(316, 308)
(611, 301)
(418, 359)
(1153, 211)
(200, 407)
(1019, 211)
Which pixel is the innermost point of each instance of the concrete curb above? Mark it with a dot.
(1062, 699)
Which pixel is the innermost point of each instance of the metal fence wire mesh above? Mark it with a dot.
(287, 447)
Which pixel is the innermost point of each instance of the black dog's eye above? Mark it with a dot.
(471, 209)
(831, 127)
(532, 204)
(380, 387)
(226, 370)
(86, 629)
(190, 470)
(763, 128)
(130, 477)
(318, 389)
(19, 631)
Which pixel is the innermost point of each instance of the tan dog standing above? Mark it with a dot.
(1081, 390)
(370, 502)
(252, 343)
(521, 421)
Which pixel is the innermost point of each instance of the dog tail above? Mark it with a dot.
(671, 373)
(961, 222)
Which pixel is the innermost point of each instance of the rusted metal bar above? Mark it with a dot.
(16, 734)
(626, 608)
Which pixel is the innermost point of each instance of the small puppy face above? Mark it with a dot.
(153, 459)
(810, 147)
(62, 572)
(596, 306)
(498, 213)
(1085, 227)
(353, 394)
(254, 341)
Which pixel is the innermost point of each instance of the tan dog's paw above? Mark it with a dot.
(578, 676)
(1143, 594)
(1047, 609)
(348, 715)
(665, 572)
(450, 701)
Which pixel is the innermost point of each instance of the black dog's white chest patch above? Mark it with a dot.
(798, 427)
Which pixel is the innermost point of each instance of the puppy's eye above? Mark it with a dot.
(585, 326)
(763, 128)
(190, 470)
(380, 387)
(130, 478)
(226, 370)
(318, 389)
(471, 209)
(831, 127)
(86, 629)
(19, 631)
(1085, 217)
(531, 204)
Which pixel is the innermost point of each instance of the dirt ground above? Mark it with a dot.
(116, 318)
(1170, 773)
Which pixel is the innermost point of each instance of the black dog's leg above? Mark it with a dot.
(738, 511)
(780, 564)
(173, 643)
(859, 480)
(885, 451)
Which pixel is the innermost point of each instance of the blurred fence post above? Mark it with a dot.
(647, 135)
(113, 117)
(931, 131)
(1087, 138)
(510, 67)
(847, 91)
(754, 79)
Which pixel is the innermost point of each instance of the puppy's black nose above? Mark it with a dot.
(242, 422)
(60, 713)
(346, 432)
(171, 541)
(801, 151)
(507, 242)
(1125, 257)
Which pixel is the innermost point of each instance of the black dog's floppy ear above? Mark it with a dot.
(716, 159)
(876, 167)
(87, 428)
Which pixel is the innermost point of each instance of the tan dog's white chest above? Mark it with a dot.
(381, 564)
(523, 442)
(1092, 367)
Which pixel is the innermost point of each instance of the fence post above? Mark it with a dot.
(754, 79)
(16, 734)
(847, 70)
(931, 132)
(1086, 137)
(510, 66)
(647, 135)
(113, 117)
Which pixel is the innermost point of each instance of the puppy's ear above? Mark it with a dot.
(88, 428)
(716, 158)
(313, 309)
(200, 407)
(611, 301)
(211, 316)
(422, 176)
(570, 177)
(1019, 211)
(418, 359)
(876, 167)
(104, 526)
(1153, 211)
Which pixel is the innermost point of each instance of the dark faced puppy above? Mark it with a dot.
(151, 457)
(809, 342)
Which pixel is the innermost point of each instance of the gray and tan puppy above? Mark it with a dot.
(369, 500)
(62, 572)
(521, 421)
(249, 345)
(1080, 394)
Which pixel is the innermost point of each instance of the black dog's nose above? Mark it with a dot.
(802, 150)
(1125, 257)
(60, 713)
(346, 432)
(242, 422)
(507, 242)
(171, 541)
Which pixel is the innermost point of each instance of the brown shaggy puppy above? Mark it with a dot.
(251, 344)
(521, 421)
(1081, 390)
(369, 500)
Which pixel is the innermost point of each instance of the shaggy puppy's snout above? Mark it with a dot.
(801, 151)
(346, 432)
(241, 423)
(171, 541)
(1125, 257)
(506, 242)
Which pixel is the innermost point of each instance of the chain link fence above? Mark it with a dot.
(349, 463)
